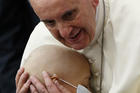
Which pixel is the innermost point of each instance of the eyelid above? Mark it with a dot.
(74, 12)
(49, 22)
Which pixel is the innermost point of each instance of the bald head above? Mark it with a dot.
(67, 64)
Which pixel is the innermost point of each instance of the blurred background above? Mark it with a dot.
(17, 21)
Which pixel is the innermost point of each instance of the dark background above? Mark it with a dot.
(17, 21)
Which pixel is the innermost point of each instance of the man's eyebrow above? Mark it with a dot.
(67, 11)
(71, 10)
(46, 20)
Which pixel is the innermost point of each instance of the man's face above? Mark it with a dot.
(72, 22)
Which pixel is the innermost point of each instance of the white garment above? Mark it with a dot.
(82, 89)
(118, 70)
(121, 65)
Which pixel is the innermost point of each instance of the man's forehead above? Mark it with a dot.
(58, 3)
(55, 2)
(45, 7)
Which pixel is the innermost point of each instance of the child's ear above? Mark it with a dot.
(95, 3)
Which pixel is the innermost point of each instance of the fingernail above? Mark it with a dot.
(43, 72)
(54, 75)
(28, 82)
(56, 82)
(21, 68)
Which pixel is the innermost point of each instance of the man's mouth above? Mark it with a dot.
(75, 34)
(75, 37)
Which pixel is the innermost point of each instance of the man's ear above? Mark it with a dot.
(95, 3)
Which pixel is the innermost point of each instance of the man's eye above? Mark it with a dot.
(69, 15)
(50, 23)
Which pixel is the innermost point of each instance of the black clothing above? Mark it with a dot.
(17, 21)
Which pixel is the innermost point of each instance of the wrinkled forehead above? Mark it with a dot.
(47, 6)
(51, 3)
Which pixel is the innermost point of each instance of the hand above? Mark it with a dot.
(50, 86)
(22, 81)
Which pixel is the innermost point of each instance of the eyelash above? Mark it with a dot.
(50, 23)
(69, 15)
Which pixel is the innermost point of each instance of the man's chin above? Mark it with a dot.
(78, 47)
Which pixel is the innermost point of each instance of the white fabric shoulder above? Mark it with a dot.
(39, 37)
(122, 48)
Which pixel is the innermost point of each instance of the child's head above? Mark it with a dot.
(67, 64)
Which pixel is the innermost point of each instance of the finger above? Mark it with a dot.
(38, 85)
(18, 75)
(61, 88)
(51, 87)
(33, 89)
(25, 87)
(22, 81)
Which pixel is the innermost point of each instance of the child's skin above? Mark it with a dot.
(67, 64)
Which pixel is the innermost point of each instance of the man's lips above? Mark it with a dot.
(76, 37)
(74, 34)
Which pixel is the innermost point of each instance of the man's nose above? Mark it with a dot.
(65, 31)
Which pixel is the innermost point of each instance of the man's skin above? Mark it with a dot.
(72, 22)
(67, 64)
